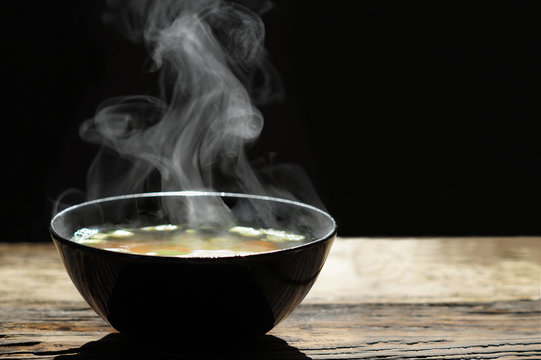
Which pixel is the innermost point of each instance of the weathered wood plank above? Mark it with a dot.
(502, 330)
(472, 269)
(357, 270)
(415, 330)
(376, 299)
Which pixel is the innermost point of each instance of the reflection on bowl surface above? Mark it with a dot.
(193, 304)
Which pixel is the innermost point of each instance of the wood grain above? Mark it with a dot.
(375, 299)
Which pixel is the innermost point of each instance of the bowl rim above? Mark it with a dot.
(190, 193)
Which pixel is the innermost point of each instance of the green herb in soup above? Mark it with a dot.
(183, 241)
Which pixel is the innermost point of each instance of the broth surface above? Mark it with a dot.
(183, 241)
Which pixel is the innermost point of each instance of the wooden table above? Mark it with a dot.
(433, 298)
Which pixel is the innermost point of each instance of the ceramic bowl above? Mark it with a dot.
(196, 304)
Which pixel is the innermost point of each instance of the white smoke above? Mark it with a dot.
(193, 136)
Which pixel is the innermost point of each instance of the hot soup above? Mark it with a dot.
(184, 241)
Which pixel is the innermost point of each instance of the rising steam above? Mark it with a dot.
(213, 69)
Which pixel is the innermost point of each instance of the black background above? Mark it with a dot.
(411, 120)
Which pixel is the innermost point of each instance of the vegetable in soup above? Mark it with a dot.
(184, 241)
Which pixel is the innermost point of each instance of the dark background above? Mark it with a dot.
(411, 120)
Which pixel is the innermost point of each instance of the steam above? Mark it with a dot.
(213, 69)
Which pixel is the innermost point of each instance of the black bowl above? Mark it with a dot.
(190, 305)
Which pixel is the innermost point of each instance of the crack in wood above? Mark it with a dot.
(23, 343)
(58, 352)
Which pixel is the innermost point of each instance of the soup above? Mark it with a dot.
(184, 241)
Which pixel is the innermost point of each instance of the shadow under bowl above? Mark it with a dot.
(200, 304)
